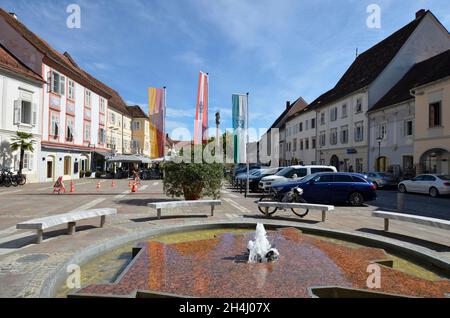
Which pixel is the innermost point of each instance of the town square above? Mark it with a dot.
(224, 150)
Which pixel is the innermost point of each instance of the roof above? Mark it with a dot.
(422, 73)
(137, 112)
(369, 65)
(63, 60)
(297, 106)
(11, 63)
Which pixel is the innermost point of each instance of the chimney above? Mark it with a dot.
(420, 13)
(288, 104)
(13, 15)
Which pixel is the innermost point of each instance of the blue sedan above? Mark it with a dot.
(352, 188)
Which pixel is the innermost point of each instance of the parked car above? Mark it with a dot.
(382, 179)
(432, 184)
(330, 188)
(255, 178)
(292, 173)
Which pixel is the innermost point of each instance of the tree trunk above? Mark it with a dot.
(22, 155)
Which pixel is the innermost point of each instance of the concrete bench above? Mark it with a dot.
(159, 206)
(438, 223)
(282, 205)
(70, 218)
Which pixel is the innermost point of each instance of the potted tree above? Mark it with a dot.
(22, 142)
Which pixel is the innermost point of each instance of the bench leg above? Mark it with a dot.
(40, 236)
(212, 210)
(158, 213)
(71, 228)
(324, 215)
(386, 225)
(102, 220)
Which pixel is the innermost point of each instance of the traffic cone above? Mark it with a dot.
(72, 187)
(98, 185)
(134, 187)
(129, 184)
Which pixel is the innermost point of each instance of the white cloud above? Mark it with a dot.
(190, 58)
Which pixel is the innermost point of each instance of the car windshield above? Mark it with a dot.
(311, 176)
(284, 172)
(444, 177)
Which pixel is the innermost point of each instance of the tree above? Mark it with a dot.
(22, 142)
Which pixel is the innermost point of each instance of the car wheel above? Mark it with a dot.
(434, 192)
(356, 199)
(402, 188)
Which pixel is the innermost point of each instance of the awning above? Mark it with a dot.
(129, 159)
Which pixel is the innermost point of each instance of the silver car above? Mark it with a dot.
(432, 184)
(381, 179)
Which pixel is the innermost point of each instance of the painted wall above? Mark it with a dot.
(13, 88)
(294, 135)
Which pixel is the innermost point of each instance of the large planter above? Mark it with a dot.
(192, 192)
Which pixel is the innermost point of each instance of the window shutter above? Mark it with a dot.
(17, 112)
(49, 82)
(34, 115)
(56, 129)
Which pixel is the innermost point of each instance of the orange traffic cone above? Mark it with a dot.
(113, 184)
(72, 187)
(98, 185)
(134, 187)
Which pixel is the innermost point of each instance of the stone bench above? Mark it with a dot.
(159, 206)
(438, 223)
(70, 218)
(282, 205)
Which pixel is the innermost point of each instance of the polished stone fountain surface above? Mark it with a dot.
(218, 268)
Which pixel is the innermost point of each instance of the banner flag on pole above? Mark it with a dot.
(239, 116)
(157, 108)
(201, 110)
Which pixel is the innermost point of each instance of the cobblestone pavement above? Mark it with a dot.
(25, 266)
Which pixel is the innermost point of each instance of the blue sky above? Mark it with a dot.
(275, 50)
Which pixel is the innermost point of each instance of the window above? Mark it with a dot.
(313, 123)
(88, 99)
(322, 118)
(24, 112)
(333, 114)
(409, 128)
(87, 132)
(54, 125)
(136, 125)
(358, 179)
(316, 170)
(359, 131)
(295, 144)
(344, 111)
(69, 132)
(28, 160)
(358, 108)
(322, 139)
(313, 143)
(102, 105)
(435, 114)
(307, 143)
(344, 134)
(324, 178)
(382, 131)
(58, 83)
(101, 136)
(306, 125)
(342, 178)
(333, 136)
(112, 118)
(301, 144)
(301, 127)
(71, 89)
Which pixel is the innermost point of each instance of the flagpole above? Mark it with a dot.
(246, 151)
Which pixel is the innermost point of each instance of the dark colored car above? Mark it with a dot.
(330, 188)
(255, 178)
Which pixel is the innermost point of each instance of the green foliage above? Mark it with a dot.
(88, 174)
(82, 173)
(193, 180)
(22, 142)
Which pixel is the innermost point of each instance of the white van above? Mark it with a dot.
(292, 173)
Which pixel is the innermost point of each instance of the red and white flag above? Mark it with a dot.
(201, 113)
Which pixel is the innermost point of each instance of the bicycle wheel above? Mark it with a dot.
(7, 181)
(14, 181)
(267, 211)
(22, 179)
(301, 212)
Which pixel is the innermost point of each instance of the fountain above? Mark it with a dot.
(260, 250)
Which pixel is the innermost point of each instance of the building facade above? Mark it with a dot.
(140, 127)
(20, 104)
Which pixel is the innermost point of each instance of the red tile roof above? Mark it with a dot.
(12, 64)
(422, 73)
(369, 65)
(137, 112)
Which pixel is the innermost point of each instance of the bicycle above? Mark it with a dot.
(294, 195)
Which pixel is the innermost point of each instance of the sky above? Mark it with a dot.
(276, 51)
